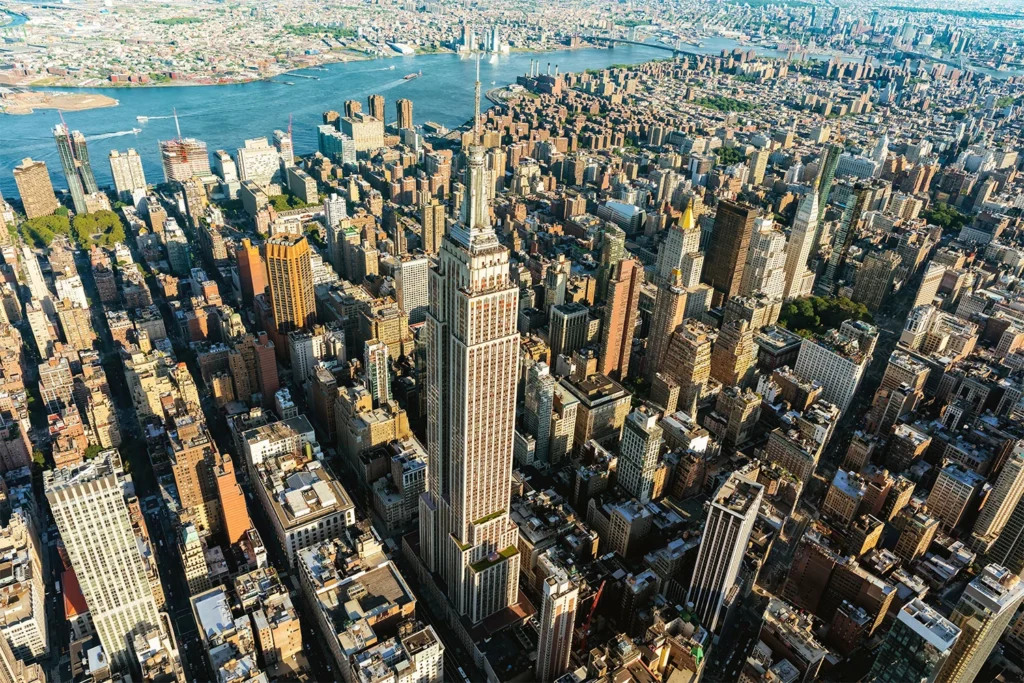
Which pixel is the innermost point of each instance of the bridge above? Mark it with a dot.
(625, 41)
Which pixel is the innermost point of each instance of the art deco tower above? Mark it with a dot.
(472, 345)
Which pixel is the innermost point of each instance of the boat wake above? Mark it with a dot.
(104, 136)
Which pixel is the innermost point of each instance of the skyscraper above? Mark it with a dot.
(826, 177)
(127, 172)
(620, 314)
(613, 250)
(411, 277)
(681, 239)
(727, 252)
(875, 278)
(727, 531)
(853, 210)
(472, 353)
(916, 646)
(568, 328)
(669, 311)
(559, 596)
(539, 397)
(35, 188)
(290, 275)
(88, 505)
(982, 615)
(799, 279)
(74, 157)
(432, 223)
(638, 454)
(378, 376)
(404, 108)
(252, 270)
(1005, 495)
(765, 269)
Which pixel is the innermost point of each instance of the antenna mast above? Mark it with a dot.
(476, 110)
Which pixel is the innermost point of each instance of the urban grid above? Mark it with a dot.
(708, 368)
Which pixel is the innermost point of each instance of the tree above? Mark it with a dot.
(41, 230)
(946, 217)
(816, 314)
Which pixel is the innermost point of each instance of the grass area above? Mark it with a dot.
(487, 562)
(487, 518)
(960, 13)
(729, 155)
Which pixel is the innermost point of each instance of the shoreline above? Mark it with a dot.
(106, 85)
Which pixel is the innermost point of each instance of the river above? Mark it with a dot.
(224, 116)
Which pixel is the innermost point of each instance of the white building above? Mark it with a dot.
(835, 361)
(88, 505)
(557, 616)
(23, 593)
(411, 283)
(799, 278)
(259, 162)
(472, 342)
(127, 172)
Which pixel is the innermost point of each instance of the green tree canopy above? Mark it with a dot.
(816, 314)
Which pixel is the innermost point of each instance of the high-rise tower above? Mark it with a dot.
(727, 252)
(290, 275)
(472, 349)
(800, 280)
(726, 534)
(88, 506)
(74, 157)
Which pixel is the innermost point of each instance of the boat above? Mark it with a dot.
(142, 119)
(409, 77)
(391, 68)
(136, 130)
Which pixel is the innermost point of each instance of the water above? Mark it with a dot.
(11, 19)
(225, 115)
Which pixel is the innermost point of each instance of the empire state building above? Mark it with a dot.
(472, 347)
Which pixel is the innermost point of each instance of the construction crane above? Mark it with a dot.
(585, 631)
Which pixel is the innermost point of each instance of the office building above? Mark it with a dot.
(916, 647)
(567, 329)
(687, 361)
(727, 252)
(412, 287)
(466, 535)
(1005, 496)
(875, 278)
(799, 278)
(620, 317)
(375, 106)
(669, 311)
(88, 505)
(638, 454)
(982, 615)
(954, 495)
(733, 354)
(765, 270)
(252, 270)
(727, 530)
(930, 282)
(835, 360)
(682, 239)
(290, 277)
(539, 399)
(559, 599)
(35, 188)
(126, 170)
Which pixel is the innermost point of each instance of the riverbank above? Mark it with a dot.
(24, 103)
